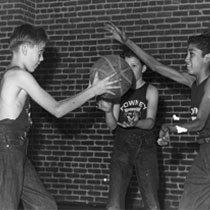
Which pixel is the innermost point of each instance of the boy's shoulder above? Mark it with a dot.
(152, 90)
(152, 87)
(14, 71)
(12, 68)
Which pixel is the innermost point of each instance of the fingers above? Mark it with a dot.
(110, 76)
(110, 92)
(121, 124)
(109, 28)
(89, 84)
(113, 81)
(111, 24)
(109, 37)
(115, 28)
(162, 141)
(96, 76)
(112, 28)
(111, 87)
(106, 79)
(164, 136)
(100, 106)
(165, 129)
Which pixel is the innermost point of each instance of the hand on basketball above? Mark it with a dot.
(105, 85)
(164, 136)
(116, 33)
(105, 106)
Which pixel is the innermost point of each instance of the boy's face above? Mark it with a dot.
(195, 60)
(136, 66)
(34, 56)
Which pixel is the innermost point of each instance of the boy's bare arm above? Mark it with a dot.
(26, 81)
(152, 105)
(197, 124)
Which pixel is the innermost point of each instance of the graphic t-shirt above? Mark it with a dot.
(133, 103)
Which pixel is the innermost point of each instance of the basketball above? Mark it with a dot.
(108, 65)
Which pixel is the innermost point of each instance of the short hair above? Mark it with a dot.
(201, 41)
(129, 53)
(27, 33)
(126, 52)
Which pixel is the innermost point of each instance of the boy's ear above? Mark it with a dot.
(24, 48)
(207, 57)
(144, 68)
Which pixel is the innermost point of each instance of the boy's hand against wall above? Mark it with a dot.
(116, 33)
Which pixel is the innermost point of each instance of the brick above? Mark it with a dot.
(65, 150)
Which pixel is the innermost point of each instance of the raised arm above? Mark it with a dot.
(150, 61)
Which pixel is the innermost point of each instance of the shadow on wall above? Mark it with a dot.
(46, 70)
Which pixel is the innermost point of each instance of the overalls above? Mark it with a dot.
(18, 178)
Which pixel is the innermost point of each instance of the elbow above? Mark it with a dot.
(57, 115)
(150, 127)
(151, 124)
(197, 125)
(57, 112)
(111, 126)
(201, 125)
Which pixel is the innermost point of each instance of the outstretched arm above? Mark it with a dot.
(25, 81)
(151, 62)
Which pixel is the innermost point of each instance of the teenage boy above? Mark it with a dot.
(133, 120)
(196, 194)
(18, 178)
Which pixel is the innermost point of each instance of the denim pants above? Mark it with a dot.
(18, 178)
(196, 194)
(133, 151)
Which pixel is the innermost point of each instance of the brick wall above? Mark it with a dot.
(72, 154)
(12, 13)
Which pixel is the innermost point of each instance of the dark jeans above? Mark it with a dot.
(196, 194)
(18, 178)
(133, 150)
